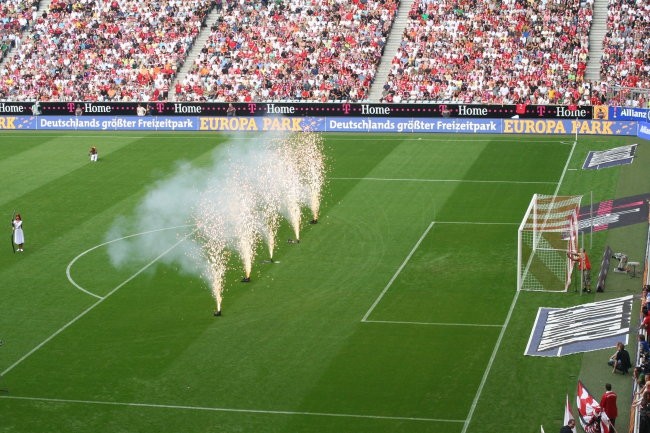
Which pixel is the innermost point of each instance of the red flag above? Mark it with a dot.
(591, 416)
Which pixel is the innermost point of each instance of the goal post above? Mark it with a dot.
(548, 231)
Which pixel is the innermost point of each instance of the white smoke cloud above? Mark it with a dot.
(246, 187)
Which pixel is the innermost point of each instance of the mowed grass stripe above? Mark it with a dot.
(422, 160)
(459, 274)
(405, 370)
(38, 162)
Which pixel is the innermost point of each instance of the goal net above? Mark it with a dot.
(547, 233)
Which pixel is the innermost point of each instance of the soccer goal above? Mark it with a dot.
(547, 233)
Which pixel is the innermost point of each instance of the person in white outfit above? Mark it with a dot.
(19, 236)
(93, 154)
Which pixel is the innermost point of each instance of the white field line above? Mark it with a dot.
(399, 322)
(477, 223)
(530, 338)
(175, 135)
(87, 310)
(382, 179)
(233, 410)
(486, 373)
(383, 292)
(72, 262)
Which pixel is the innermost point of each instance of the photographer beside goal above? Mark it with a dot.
(584, 265)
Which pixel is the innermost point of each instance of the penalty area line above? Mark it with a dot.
(92, 307)
(400, 322)
(392, 280)
(233, 410)
(486, 223)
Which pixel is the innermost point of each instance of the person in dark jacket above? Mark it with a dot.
(568, 428)
(620, 360)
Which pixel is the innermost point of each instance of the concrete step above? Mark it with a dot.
(199, 43)
(390, 49)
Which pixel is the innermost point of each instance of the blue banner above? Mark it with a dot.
(117, 123)
(644, 130)
(386, 124)
(17, 122)
(91, 123)
(635, 114)
(327, 124)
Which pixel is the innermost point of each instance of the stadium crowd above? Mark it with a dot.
(641, 401)
(301, 50)
(15, 17)
(464, 51)
(108, 51)
(626, 60)
(506, 52)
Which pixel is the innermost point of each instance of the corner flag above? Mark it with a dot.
(567, 413)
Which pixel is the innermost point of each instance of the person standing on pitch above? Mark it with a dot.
(585, 268)
(93, 154)
(19, 236)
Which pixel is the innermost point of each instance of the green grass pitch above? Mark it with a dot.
(388, 316)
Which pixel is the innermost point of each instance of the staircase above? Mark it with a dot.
(390, 49)
(199, 43)
(596, 36)
(43, 5)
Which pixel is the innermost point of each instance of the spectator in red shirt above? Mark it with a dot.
(645, 323)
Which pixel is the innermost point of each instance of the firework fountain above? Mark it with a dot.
(235, 204)
(290, 188)
(307, 151)
(269, 197)
(243, 226)
(256, 189)
(212, 238)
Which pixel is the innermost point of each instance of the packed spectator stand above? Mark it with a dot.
(15, 16)
(465, 51)
(626, 50)
(641, 405)
(88, 50)
(506, 52)
(300, 50)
